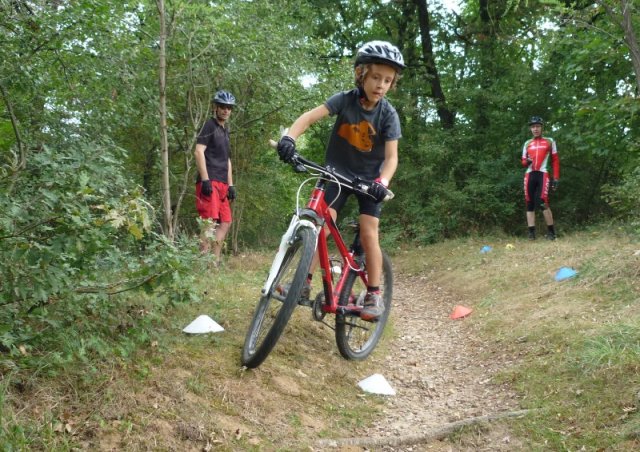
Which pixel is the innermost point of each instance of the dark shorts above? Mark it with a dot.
(367, 204)
(215, 207)
(536, 190)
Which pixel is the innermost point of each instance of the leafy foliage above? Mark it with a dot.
(79, 142)
(77, 232)
(85, 266)
(623, 199)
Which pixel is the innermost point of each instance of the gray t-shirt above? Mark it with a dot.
(356, 145)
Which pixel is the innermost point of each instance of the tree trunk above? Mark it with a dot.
(483, 6)
(187, 183)
(164, 140)
(631, 39)
(447, 117)
(624, 21)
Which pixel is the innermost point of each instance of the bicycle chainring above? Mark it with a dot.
(318, 302)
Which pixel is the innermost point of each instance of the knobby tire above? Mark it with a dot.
(356, 338)
(272, 314)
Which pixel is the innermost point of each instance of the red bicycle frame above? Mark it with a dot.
(318, 210)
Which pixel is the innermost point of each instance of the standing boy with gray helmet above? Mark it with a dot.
(536, 153)
(363, 144)
(214, 184)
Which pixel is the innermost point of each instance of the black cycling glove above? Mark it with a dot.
(286, 148)
(206, 189)
(378, 191)
(231, 193)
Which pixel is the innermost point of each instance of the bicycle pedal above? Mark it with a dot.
(346, 312)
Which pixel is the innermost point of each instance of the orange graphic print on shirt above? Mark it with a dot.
(358, 135)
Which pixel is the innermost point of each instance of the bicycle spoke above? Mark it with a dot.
(355, 337)
(275, 308)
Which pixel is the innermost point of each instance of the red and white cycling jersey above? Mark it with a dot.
(538, 151)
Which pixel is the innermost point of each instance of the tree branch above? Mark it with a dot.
(106, 288)
(268, 113)
(16, 130)
(432, 434)
(28, 228)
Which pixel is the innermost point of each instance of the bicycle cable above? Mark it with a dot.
(329, 177)
(316, 176)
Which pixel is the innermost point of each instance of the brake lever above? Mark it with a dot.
(364, 188)
(360, 186)
(298, 167)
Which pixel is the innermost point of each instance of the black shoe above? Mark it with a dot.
(532, 235)
(551, 235)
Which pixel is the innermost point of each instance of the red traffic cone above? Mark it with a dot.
(460, 312)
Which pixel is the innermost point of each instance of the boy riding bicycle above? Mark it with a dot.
(363, 144)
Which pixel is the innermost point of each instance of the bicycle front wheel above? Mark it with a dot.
(355, 337)
(276, 306)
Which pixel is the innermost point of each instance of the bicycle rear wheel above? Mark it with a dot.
(275, 308)
(355, 337)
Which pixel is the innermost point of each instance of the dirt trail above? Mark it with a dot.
(440, 370)
(197, 399)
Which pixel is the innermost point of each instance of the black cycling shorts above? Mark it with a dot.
(336, 201)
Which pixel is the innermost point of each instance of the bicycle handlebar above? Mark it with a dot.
(301, 164)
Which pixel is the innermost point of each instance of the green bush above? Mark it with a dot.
(75, 233)
(623, 198)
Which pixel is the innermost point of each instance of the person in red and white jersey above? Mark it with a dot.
(537, 153)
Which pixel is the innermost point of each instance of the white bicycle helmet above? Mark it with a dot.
(380, 52)
(224, 98)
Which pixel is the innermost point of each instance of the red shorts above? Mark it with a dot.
(214, 207)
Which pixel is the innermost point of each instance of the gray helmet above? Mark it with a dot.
(536, 120)
(224, 97)
(380, 52)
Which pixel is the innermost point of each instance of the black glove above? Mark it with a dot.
(529, 161)
(378, 191)
(286, 148)
(231, 193)
(554, 184)
(206, 189)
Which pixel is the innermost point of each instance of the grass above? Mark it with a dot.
(578, 339)
(576, 342)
